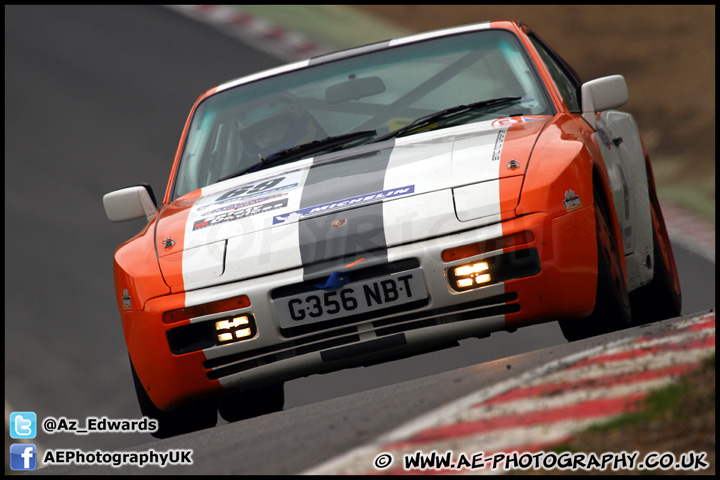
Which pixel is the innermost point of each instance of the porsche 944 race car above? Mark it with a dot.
(381, 202)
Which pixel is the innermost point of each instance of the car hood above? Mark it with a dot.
(344, 205)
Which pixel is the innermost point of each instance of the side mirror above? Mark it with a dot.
(602, 94)
(130, 203)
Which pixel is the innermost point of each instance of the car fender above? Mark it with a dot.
(136, 260)
(143, 297)
(560, 167)
(564, 169)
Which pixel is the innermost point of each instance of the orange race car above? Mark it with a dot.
(380, 202)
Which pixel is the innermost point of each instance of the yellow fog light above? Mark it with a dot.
(235, 328)
(228, 324)
(245, 332)
(469, 276)
(467, 270)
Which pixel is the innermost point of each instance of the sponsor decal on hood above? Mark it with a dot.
(344, 204)
(351, 186)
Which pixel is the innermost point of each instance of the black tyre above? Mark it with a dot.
(188, 418)
(661, 298)
(235, 406)
(612, 303)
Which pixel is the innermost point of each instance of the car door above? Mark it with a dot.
(622, 147)
(609, 141)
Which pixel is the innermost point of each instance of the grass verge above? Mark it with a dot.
(677, 420)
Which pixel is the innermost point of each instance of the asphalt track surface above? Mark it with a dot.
(96, 99)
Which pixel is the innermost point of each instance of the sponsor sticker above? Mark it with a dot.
(499, 142)
(127, 301)
(572, 201)
(343, 204)
(239, 214)
(603, 137)
(241, 205)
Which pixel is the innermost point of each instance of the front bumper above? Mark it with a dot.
(552, 277)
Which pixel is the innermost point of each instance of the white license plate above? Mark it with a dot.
(351, 299)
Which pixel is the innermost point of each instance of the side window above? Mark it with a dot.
(566, 81)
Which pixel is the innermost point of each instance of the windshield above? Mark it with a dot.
(382, 90)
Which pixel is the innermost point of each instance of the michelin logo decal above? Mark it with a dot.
(343, 204)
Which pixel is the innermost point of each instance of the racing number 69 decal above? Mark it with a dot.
(251, 189)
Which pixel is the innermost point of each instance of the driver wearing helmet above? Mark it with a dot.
(275, 123)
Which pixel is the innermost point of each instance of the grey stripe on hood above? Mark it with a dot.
(329, 242)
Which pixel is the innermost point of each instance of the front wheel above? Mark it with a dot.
(240, 405)
(187, 418)
(612, 303)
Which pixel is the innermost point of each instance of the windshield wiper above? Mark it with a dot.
(302, 150)
(446, 114)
